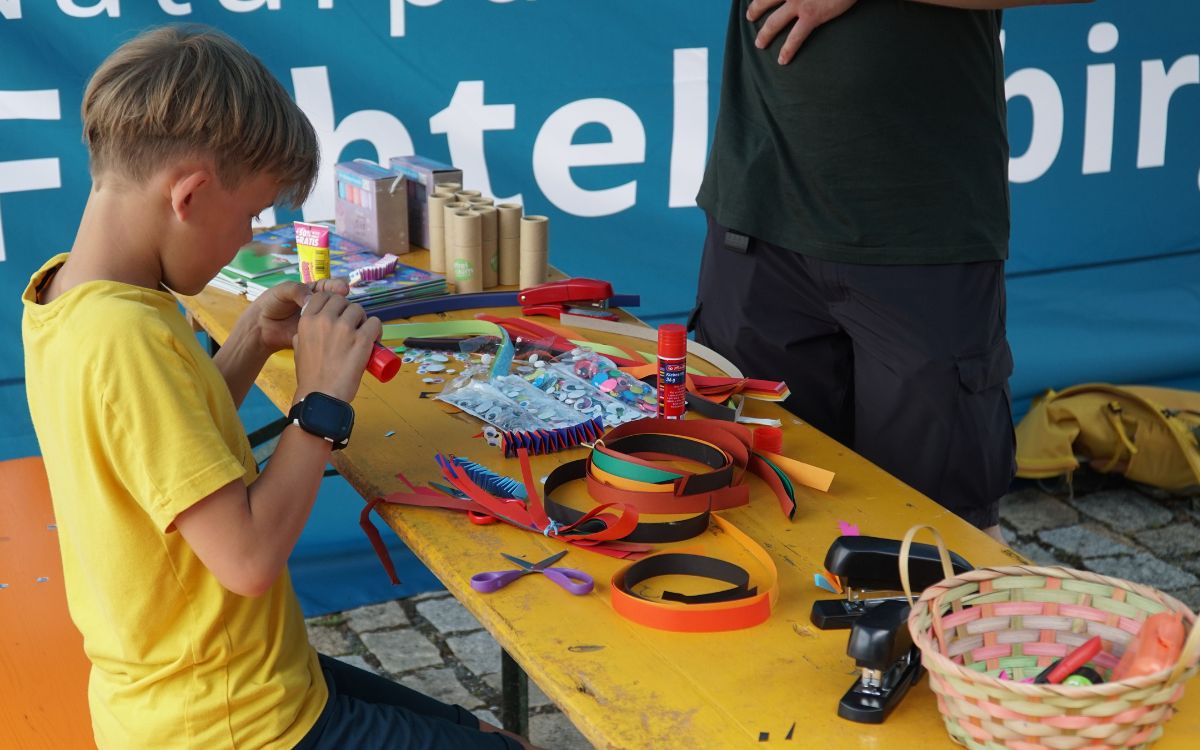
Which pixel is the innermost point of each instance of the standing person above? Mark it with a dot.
(858, 219)
(174, 548)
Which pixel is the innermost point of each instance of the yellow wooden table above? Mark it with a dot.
(622, 684)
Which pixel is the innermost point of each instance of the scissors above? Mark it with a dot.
(575, 581)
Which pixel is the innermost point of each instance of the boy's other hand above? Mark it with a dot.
(279, 309)
(333, 342)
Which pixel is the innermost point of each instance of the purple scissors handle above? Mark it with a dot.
(486, 583)
(575, 581)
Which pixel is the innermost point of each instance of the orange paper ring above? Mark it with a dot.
(703, 618)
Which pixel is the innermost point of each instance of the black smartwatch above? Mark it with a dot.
(324, 416)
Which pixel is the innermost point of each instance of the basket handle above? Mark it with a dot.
(906, 546)
(1190, 649)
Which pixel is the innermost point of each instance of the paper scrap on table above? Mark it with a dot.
(823, 583)
(848, 529)
(802, 473)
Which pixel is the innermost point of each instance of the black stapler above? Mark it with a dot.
(882, 647)
(869, 569)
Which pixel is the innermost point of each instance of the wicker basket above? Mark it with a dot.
(1019, 619)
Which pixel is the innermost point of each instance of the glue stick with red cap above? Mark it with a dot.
(768, 439)
(672, 371)
(383, 364)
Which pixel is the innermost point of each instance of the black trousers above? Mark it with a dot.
(908, 365)
(368, 712)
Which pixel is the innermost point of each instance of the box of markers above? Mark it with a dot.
(371, 206)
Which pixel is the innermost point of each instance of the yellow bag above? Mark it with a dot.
(1148, 434)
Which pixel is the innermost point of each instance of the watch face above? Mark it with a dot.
(327, 416)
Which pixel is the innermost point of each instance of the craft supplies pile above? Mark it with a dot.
(651, 444)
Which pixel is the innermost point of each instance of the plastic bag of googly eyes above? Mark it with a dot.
(508, 403)
(591, 384)
(585, 399)
(602, 374)
(552, 413)
(483, 401)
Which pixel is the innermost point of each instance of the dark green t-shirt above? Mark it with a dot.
(883, 141)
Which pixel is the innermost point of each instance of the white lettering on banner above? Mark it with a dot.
(41, 104)
(689, 126)
(1101, 102)
(27, 174)
(1046, 135)
(247, 6)
(396, 24)
(71, 8)
(1158, 86)
(554, 154)
(463, 122)
(396, 20)
(11, 9)
(383, 131)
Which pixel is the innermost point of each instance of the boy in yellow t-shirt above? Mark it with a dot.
(174, 549)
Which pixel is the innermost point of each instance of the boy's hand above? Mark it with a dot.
(333, 342)
(279, 309)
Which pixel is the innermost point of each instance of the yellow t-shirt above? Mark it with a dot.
(136, 424)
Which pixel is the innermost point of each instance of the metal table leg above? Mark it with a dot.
(514, 696)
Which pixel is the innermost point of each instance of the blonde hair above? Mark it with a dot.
(191, 91)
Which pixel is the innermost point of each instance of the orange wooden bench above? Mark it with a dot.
(43, 670)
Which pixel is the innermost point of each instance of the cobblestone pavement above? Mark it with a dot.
(432, 644)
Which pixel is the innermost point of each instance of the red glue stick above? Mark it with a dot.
(383, 364)
(672, 371)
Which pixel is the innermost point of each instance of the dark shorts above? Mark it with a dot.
(368, 712)
(906, 364)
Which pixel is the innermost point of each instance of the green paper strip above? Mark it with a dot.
(501, 363)
(632, 471)
(784, 478)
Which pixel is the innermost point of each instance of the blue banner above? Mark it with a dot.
(598, 113)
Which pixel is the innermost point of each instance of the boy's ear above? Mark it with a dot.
(184, 190)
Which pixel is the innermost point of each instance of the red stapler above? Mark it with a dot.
(589, 297)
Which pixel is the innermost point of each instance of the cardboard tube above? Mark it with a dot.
(466, 195)
(509, 242)
(437, 232)
(535, 250)
(448, 210)
(481, 200)
(467, 257)
(450, 187)
(489, 255)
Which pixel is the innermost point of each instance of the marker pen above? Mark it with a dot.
(1061, 669)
